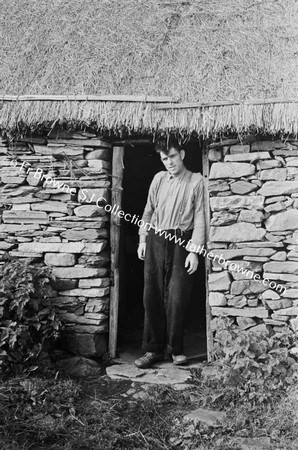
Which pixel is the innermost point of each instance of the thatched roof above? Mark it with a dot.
(191, 51)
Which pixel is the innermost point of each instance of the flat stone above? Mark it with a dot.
(248, 287)
(259, 312)
(242, 268)
(253, 302)
(215, 154)
(247, 157)
(279, 304)
(89, 211)
(61, 197)
(275, 207)
(271, 188)
(294, 326)
(103, 327)
(263, 145)
(236, 203)
(21, 207)
(292, 173)
(259, 245)
(91, 292)
(217, 299)
(93, 196)
(261, 328)
(224, 143)
(281, 276)
(101, 260)
(6, 245)
(217, 186)
(277, 316)
(78, 272)
(237, 232)
(245, 322)
(293, 311)
(274, 322)
(237, 302)
(285, 152)
(71, 317)
(270, 295)
(21, 216)
(206, 416)
(234, 149)
(219, 281)
(12, 180)
(88, 234)
(231, 170)
(292, 162)
(32, 180)
(97, 305)
(286, 220)
(278, 198)
(10, 228)
(242, 187)
(25, 254)
(281, 267)
(70, 247)
(99, 165)
(94, 282)
(99, 224)
(223, 218)
(273, 174)
(60, 259)
(104, 154)
(268, 164)
(279, 256)
(290, 293)
(252, 216)
(50, 206)
(161, 373)
(226, 255)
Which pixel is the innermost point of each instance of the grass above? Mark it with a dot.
(55, 413)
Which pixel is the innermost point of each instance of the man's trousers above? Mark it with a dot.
(167, 292)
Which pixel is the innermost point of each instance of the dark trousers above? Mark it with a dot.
(167, 292)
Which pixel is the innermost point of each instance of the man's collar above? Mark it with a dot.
(179, 177)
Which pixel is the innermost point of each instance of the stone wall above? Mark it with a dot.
(254, 224)
(52, 191)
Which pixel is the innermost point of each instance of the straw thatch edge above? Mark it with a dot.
(146, 118)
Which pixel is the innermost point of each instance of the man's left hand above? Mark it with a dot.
(191, 263)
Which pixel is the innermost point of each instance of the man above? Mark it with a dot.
(173, 232)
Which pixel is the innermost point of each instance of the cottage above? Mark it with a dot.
(85, 91)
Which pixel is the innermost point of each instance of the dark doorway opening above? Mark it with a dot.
(141, 163)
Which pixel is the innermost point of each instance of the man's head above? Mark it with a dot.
(172, 156)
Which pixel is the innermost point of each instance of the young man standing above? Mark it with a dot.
(174, 225)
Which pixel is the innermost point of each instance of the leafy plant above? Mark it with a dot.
(28, 324)
(254, 365)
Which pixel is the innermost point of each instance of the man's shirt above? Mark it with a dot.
(175, 202)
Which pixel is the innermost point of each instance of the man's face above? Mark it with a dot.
(173, 161)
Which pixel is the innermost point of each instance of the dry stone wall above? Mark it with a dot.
(52, 196)
(254, 229)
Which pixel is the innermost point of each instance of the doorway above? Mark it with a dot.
(141, 163)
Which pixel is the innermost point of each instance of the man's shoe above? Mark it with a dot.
(148, 360)
(179, 360)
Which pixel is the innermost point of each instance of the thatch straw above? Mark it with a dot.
(145, 118)
(202, 50)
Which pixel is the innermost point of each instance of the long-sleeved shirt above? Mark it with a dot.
(175, 202)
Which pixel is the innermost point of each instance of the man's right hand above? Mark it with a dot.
(142, 250)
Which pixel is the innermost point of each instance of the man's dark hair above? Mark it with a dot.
(165, 145)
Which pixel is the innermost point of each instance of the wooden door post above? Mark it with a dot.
(117, 172)
(207, 261)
